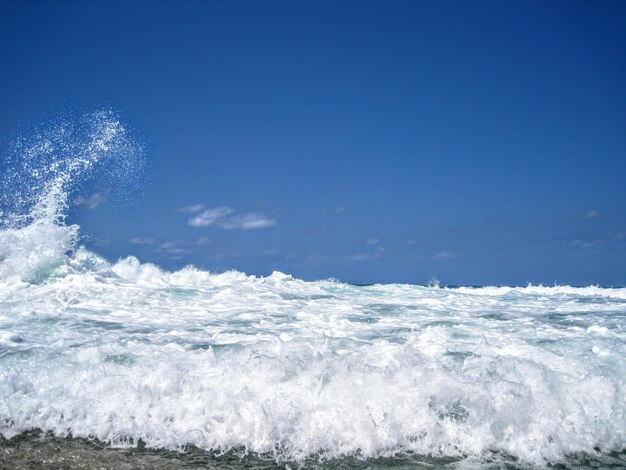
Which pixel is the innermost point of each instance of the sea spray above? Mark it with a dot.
(128, 353)
(44, 170)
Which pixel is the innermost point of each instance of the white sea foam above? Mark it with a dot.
(128, 351)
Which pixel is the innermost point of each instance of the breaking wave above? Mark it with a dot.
(129, 353)
(41, 175)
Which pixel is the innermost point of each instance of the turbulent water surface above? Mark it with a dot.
(127, 365)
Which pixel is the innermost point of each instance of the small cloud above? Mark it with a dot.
(316, 258)
(364, 257)
(203, 241)
(102, 242)
(270, 252)
(178, 251)
(210, 216)
(444, 255)
(180, 248)
(172, 244)
(335, 210)
(372, 241)
(249, 221)
(142, 241)
(592, 215)
(585, 243)
(611, 237)
(226, 254)
(409, 242)
(221, 217)
(92, 201)
(190, 209)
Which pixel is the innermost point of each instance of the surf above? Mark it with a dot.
(130, 354)
(46, 168)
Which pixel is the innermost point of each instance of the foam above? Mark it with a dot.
(298, 369)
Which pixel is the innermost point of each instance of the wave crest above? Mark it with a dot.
(44, 170)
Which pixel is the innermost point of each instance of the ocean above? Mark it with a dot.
(127, 365)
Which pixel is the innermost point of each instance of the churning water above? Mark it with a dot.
(191, 368)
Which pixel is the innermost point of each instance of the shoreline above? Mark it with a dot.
(35, 449)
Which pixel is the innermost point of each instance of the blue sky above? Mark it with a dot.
(472, 142)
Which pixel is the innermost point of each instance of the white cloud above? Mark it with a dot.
(222, 217)
(184, 246)
(316, 258)
(190, 209)
(586, 243)
(226, 255)
(142, 241)
(270, 252)
(172, 244)
(249, 221)
(92, 201)
(335, 210)
(210, 216)
(203, 241)
(178, 251)
(444, 255)
(364, 257)
(372, 241)
(592, 215)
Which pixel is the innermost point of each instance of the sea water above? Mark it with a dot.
(124, 364)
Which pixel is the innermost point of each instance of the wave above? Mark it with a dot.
(42, 174)
(130, 353)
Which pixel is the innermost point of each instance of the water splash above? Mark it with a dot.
(43, 172)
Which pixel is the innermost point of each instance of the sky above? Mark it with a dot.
(395, 141)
